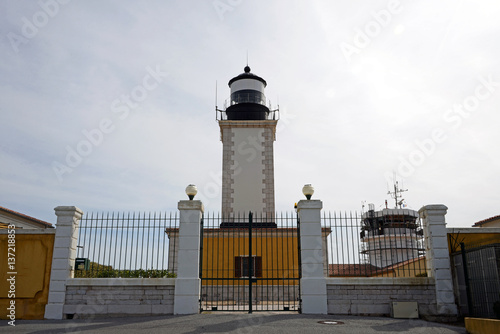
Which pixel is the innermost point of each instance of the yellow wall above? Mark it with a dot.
(482, 326)
(33, 263)
(411, 269)
(278, 251)
(471, 239)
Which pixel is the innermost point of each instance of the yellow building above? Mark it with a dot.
(28, 244)
(225, 256)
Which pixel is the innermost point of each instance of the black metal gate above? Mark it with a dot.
(477, 278)
(250, 263)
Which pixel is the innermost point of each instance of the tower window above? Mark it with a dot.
(247, 96)
(242, 266)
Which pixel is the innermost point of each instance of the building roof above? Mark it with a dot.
(355, 270)
(247, 75)
(21, 215)
(481, 222)
(365, 270)
(404, 263)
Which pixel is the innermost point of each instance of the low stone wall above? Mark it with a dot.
(373, 296)
(104, 297)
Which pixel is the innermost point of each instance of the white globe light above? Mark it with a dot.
(191, 191)
(308, 190)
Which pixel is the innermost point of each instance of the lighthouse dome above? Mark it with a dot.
(248, 99)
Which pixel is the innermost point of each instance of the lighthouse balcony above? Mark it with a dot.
(247, 106)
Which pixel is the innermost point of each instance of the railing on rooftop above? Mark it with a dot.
(238, 98)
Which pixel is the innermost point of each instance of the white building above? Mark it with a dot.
(391, 236)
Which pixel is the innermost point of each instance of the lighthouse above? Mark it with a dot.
(248, 131)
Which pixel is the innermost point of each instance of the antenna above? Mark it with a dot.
(396, 194)
(216, 107)
(247, 57)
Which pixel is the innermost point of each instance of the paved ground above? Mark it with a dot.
(232, 323)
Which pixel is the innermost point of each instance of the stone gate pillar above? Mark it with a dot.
(63, 258)
(187, 284)
(313, 282)
(438, 258)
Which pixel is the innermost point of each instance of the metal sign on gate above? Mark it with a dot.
(250, 263)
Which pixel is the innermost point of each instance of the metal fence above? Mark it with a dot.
(477, 278)
(354, 245)
(387, 243)
(126, 245)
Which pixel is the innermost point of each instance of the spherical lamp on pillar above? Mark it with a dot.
(191, 191)
(308, 191)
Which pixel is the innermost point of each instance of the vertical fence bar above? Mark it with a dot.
(225, 235)
(105, 228)
(268, 239)
(147, 243)
(299, 257)
(212, 266)
(250, 264)
(281, 270)
(110, 244)
(470, 305)
(348, 227)
(266, 273)
(128, 240)
(294, 248)
(121, 241)
(96, 261)
(170, 240)
(153, 246)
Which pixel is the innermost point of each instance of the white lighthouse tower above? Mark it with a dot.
(248, 131)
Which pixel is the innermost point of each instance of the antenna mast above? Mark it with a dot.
(216, 109)
(397, 194)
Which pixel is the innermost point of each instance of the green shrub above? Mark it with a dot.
(97, 270)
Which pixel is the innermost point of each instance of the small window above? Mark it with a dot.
(242, 266)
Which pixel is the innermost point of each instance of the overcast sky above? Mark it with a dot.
(109, 105)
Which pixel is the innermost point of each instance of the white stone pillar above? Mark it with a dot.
(313, 282)
(438, 257)
(63, 258)
(187, 284)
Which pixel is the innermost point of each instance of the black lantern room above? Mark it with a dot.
(247, 101)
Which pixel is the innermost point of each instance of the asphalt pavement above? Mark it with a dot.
(219, 322)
